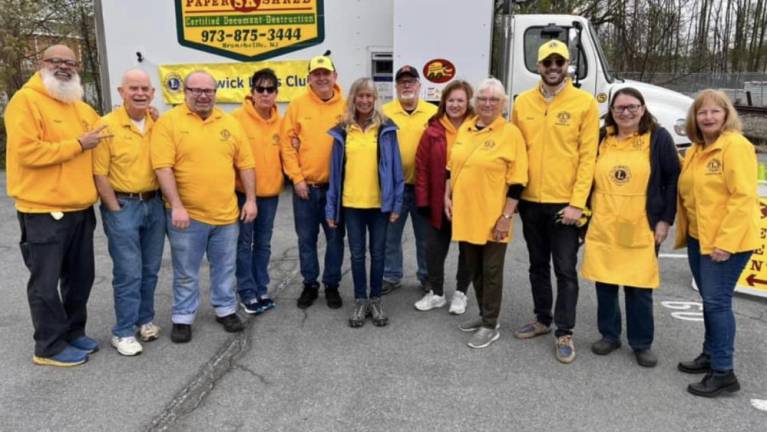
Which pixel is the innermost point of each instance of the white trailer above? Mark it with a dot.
(444, 39)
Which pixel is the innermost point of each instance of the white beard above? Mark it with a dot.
(64, 91)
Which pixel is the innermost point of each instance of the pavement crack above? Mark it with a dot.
(253, 373)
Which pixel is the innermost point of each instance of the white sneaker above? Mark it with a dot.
(430, 301)
(127, 346)
(458, 303)
(149, 332)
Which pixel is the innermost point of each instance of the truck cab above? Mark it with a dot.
(589, 68)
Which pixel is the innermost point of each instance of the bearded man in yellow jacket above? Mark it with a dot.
(560, 124)
(50, 176)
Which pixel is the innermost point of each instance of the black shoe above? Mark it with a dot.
(231, 323)
(308, 296)
(181, 333)
(388, 287)
(333, 298)
(701, 364)
(714, 383)
(605, 346)
(646, 358)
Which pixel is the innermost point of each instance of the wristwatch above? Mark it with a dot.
(506, 216)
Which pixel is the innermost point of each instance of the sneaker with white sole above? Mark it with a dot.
(127, 346)
(474, 325)
(149, 332)
(483, 337)
(458, 303)
(430, 301)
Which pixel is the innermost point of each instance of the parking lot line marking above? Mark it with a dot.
(760, 404)
(672, 255)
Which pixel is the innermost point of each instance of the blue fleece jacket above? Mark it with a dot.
(390, 177)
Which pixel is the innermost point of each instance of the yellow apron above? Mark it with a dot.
(620, 246)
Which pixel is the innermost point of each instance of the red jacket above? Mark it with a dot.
(430, 166)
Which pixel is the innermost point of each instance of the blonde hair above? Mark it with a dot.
(731, 120)
(350, 117)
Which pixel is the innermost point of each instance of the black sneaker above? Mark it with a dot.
(604, 346)
(251, 307)
(388, 287)
(181, 333)
(308, 296)
(333, 298)
(231, 323)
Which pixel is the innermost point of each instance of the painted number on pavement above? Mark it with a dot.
(685, 310)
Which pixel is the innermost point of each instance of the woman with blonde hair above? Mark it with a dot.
(430, 162)
(365, 192)
(718, 221)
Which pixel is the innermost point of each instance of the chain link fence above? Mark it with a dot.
(739, 86)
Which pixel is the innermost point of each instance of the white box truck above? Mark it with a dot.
(444, 39)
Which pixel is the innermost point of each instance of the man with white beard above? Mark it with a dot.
(50, 175)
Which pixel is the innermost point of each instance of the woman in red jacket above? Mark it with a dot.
(430, 175)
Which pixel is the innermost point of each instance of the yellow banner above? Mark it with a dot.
(233, 79)
(249, 29)
(753, 280)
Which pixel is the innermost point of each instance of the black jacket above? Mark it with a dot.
(664, 173)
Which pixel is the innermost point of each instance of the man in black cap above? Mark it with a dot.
(411, 114)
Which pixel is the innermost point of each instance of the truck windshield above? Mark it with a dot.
(602, 59)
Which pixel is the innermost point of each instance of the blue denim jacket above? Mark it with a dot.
(390, 176)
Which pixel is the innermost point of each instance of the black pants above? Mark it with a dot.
(437, 247)
(548, 241)
(484, 265)
(58, 251)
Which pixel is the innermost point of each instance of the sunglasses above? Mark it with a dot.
(559, 62)
(260, 89)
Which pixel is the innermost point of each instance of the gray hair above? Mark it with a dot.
(495, 86)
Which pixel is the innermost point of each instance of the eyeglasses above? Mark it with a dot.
(559, 62)
(270, 89)
(623, 108)
(492, 100)
(57, 61)
(200, 91)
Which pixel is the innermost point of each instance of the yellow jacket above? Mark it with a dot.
(309, 118)
(562, 138)
(47, 168)
(723, 193)
(410, 127)
(264, 138)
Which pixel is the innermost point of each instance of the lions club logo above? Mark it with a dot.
(489, 144)
(276, 139)
(173, 82)
(620, 175)
(225, 134)
(564, 118)
(714, 166)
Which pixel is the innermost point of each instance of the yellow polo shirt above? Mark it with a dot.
(264, 138)
(361, 187)
(202, 153)
(482, 165)
(124, 158)
(410, 127)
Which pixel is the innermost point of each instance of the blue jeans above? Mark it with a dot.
(359, 222)
(254, 250)
(187, 247)
(393, 261)
(716, 283)
(640, 326)
(308, 216)
(135, 238)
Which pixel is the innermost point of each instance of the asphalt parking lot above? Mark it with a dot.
(306, 370)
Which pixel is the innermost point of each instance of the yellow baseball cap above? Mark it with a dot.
(553, 46)
(321, 62)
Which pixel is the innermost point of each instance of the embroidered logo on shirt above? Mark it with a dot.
(489, 144)
(714, 166)
(276, 139)
(620, 175)
(563, 118)
(225, 134)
